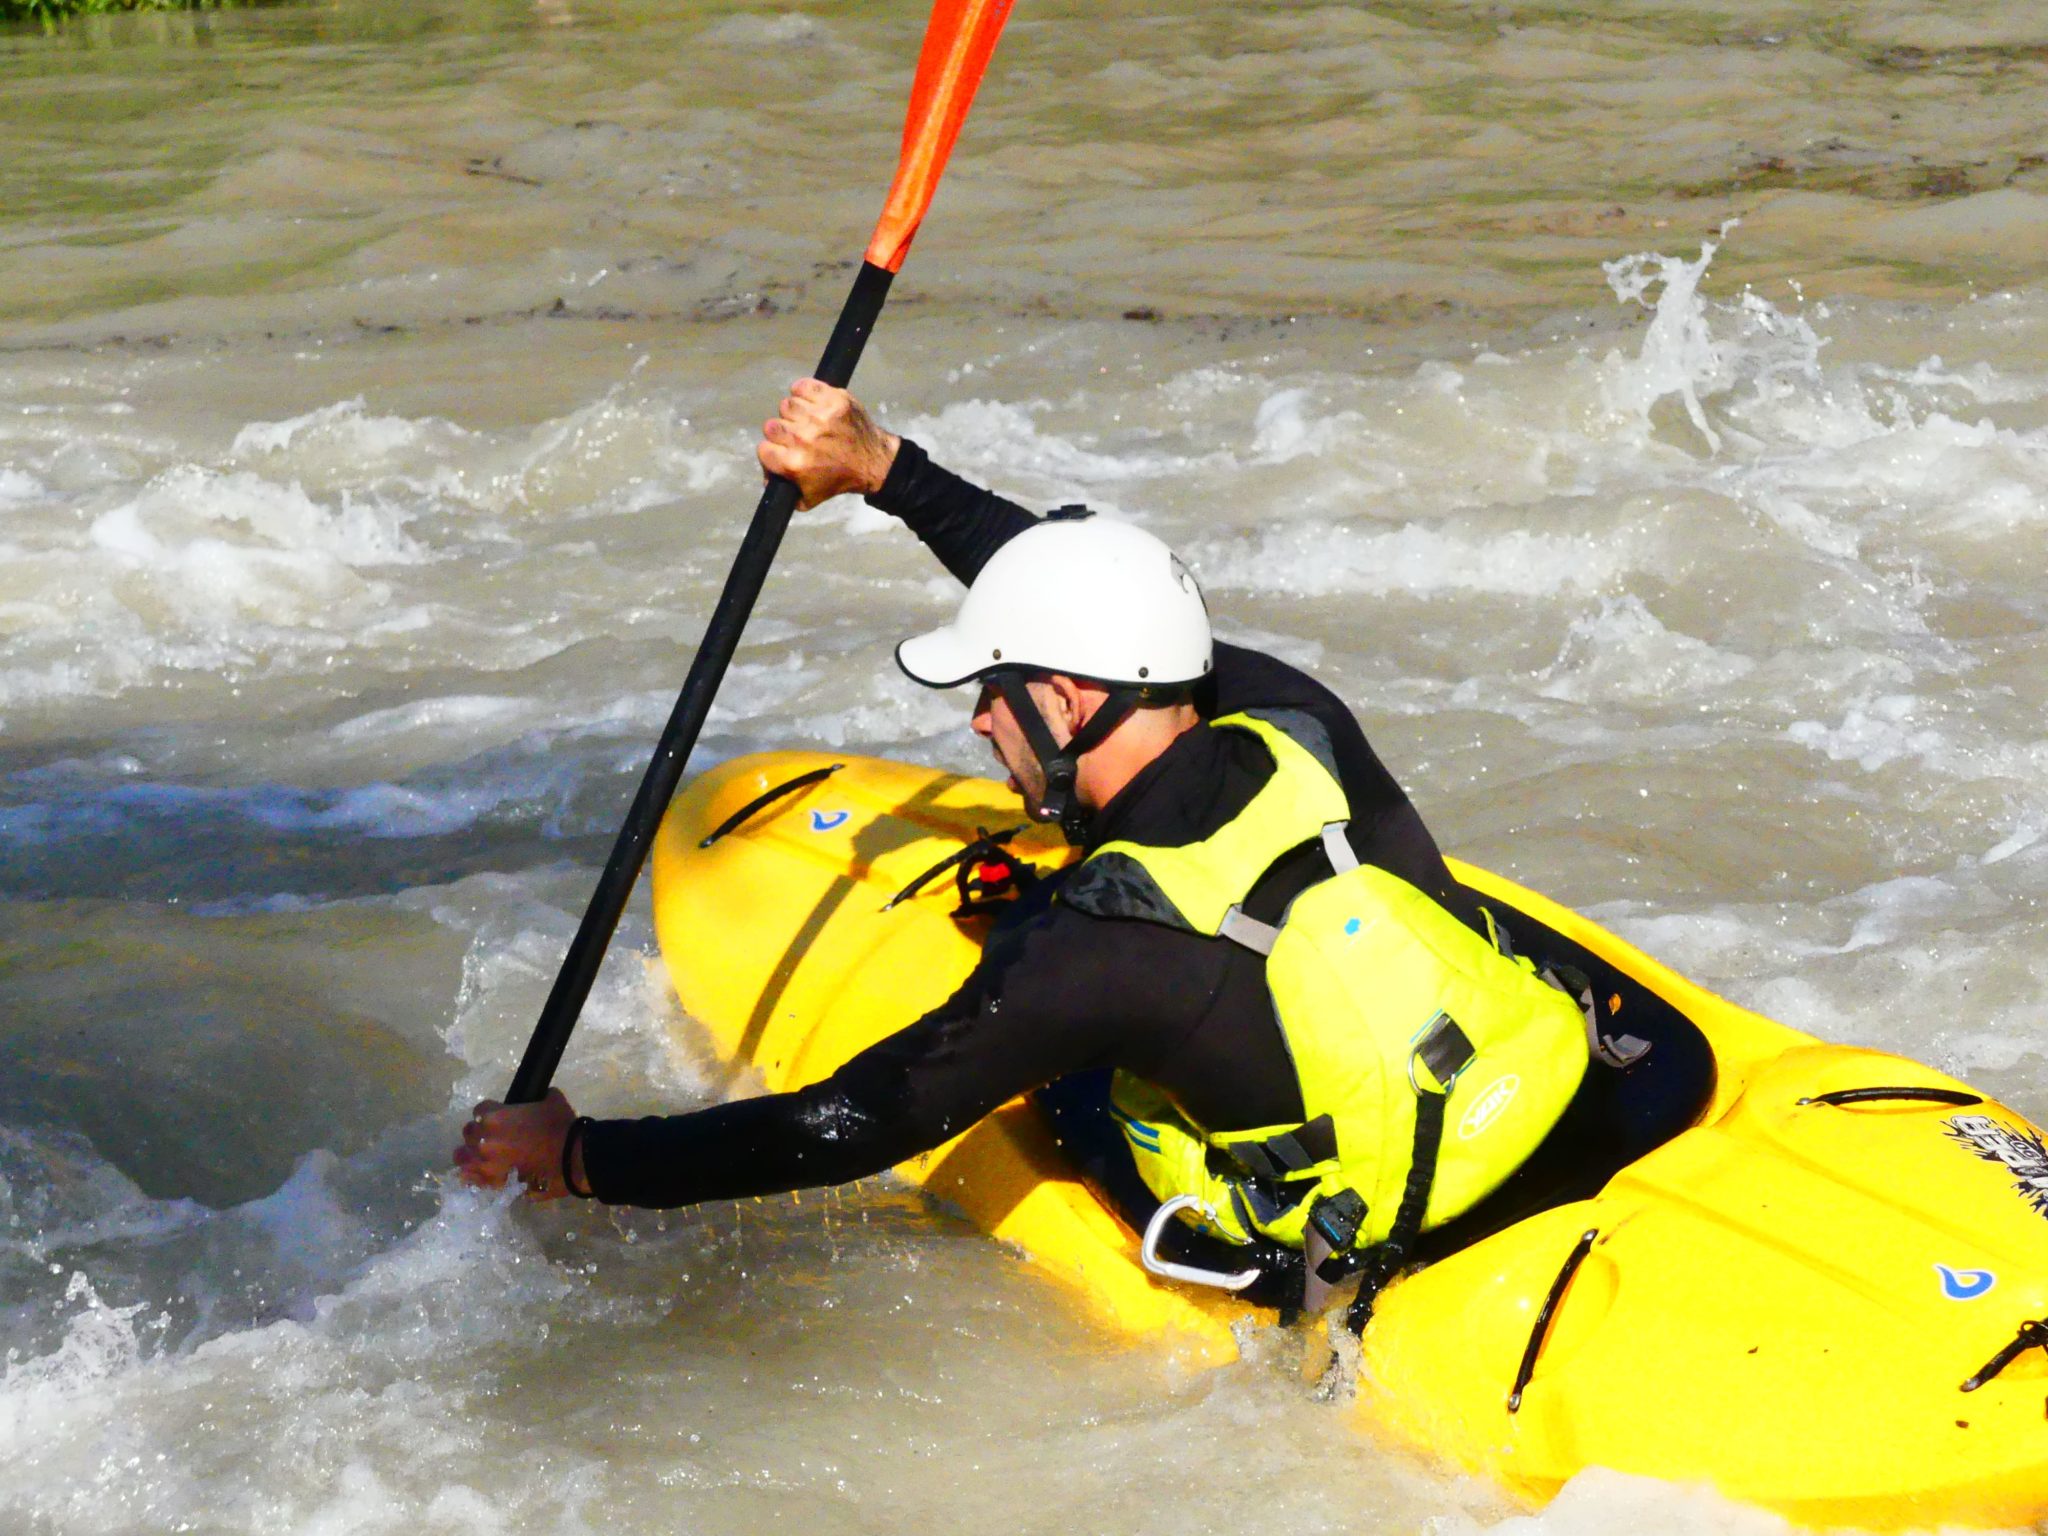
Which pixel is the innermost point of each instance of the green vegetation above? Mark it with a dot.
(55, 10)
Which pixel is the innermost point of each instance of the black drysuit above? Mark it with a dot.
(1062, 991)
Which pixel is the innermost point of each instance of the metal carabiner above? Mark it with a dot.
(1148, 1251)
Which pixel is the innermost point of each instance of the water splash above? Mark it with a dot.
(1679, 354)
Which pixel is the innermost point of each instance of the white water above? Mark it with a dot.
(1688, 571)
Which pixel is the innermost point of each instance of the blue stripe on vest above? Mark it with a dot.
(1144, 1135)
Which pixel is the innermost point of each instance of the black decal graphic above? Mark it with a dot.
(2023, 1153)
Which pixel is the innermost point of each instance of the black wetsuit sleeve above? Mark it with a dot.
(1060, 995)
(956, 519)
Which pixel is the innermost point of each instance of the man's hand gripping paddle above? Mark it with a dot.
(957, 45)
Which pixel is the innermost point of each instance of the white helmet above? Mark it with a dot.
(1078, 594)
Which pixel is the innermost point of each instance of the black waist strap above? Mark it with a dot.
(1444, 1050)
(1384, 1259)
(1291, 1152)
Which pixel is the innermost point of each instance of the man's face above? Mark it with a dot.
(996, 723)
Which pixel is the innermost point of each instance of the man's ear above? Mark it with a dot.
(1078, 700)
(1068, 706)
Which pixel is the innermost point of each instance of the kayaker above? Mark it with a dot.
(1199, 777)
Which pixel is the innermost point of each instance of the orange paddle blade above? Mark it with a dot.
(957, 44)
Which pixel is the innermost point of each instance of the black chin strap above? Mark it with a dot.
(1060, 764)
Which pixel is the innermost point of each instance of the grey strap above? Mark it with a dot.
(1315, 1290)
(1260, 937)
(1622, 1051)
(1254, 935)
(1618, 1051)
(1337, 847)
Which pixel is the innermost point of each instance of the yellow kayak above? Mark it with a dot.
(1784, 1296)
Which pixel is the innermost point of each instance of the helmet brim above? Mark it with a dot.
(942, 659)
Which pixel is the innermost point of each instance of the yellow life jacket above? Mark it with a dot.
(1431, 1062)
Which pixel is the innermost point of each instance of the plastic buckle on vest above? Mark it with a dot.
(1338, 1217)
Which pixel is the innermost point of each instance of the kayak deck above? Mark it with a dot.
(1780, 1296)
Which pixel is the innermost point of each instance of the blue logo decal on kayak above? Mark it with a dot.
(1351, 928)
(1964, 1284)
(825, 821)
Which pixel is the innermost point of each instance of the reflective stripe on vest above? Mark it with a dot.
(1362, 969)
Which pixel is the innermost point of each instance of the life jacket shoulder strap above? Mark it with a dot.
(1195, 886)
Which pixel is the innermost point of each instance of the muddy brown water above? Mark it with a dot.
(376, 391)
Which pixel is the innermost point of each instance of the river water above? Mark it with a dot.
(377, 385)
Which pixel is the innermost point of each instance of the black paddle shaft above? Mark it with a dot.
(671, 755)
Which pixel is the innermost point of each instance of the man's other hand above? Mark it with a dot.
(824, 441)
(503, 1139)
